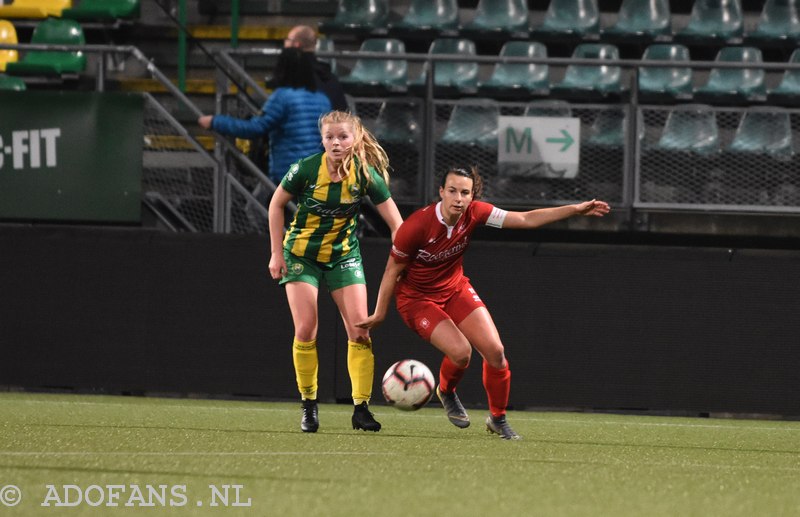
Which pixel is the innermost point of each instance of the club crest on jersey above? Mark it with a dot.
(355, 189)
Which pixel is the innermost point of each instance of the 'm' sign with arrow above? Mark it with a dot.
(547, 147)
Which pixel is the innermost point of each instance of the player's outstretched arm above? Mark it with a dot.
(543, 216)
(388, 283)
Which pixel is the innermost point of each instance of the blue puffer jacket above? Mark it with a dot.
(289, 117)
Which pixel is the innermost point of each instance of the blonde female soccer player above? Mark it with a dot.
(437, 301)
(321, 246)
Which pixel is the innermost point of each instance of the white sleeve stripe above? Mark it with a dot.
(496, 218)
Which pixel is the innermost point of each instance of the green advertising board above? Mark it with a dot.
(71, 156)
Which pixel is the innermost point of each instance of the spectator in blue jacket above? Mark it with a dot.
(289, 118)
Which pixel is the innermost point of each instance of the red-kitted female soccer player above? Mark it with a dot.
(436, 300)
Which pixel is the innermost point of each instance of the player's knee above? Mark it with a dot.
(496, 359)
(461, 358)
(306, 332)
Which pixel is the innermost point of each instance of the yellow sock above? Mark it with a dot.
(306, 366)
(361, 366)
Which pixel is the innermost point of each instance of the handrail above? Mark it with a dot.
(557, 61)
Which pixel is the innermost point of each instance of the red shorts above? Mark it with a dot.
(423, 315)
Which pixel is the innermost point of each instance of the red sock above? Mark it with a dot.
(449, 375)
(497, 382)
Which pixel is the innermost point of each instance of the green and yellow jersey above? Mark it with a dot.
(324, 226)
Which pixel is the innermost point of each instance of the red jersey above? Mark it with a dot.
(434, 251)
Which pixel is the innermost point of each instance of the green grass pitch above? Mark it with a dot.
(418, 465)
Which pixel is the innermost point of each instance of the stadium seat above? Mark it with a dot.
(505, 18)
(734, 85)
(690, 128)
(713, 21)
(668, 85)
(436, 17)
(569, 19)
(608, 129)
(591, 82)
(473, 124)
(764, 131)
(779, 23)
(452, 78)
(378, 76)
(52, 31)
(327, 45)
(34, 8)
(787, 93)
(548, 108)
(641, 20)
(398, 127)
(103, 10)
(362, 16)
(8, 82)
(398, 122)
(515, 80)
(8, 34)
(470, 137)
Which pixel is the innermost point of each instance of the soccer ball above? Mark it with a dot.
(408, 385)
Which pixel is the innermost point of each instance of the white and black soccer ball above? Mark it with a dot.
(408, 385)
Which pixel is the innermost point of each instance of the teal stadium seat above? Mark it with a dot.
(326, 45)
(713, 21)
(787, 93)
(675, 167)
(399, 122)
(665, 85)
(8, 82)
(398, 127)
(431, 17)
(379, 76)
(691, 128)
(641, 20)
(87, 10)
(359, 16)
(34, 8)
(503, 18)
(764, 131)
(8, 34)
(470, 137)
(451, 78)
(473, 124)
(593, 82)
(608, 129)
(734, 85)
(779, 23)
(52, 31)
(518, 80)
(569, 19)
(548, 108)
